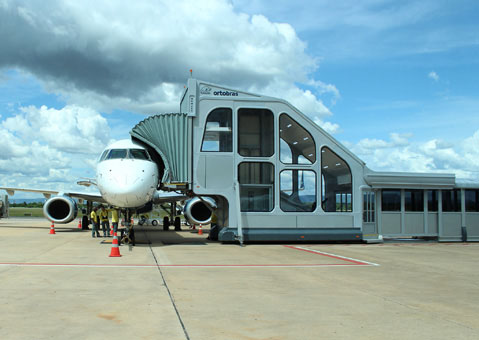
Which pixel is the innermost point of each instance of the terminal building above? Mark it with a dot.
(272, 174)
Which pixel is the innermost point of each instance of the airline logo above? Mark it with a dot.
(206, 90)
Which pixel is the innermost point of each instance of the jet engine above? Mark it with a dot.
(199, 210)
(60, 209)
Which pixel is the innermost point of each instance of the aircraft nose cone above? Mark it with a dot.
(128, 184)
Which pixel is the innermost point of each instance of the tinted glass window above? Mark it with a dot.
(103, 155)
(432, 200)
(336, 184)
(256, 133)
(451, 200)
(139, 154)
(116, 154)
(414, 200)
(298, 190)
(391, 200)
(472, 200)
(218, 131)
(256, 186)
(296, 144)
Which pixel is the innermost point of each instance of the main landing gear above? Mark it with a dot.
(167, 223)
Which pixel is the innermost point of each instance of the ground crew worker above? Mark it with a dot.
(105, 224)
(115, 219)
(94, 222)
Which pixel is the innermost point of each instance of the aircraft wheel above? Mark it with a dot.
(177, 223)
(166, 223)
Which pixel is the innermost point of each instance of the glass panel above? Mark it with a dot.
(432, 200)
(368, 207)
(116, 154)
(336, 184)
(451, 200)
(296, 144)
(298, 190)
(256, 133)
(139, 154)
(103, 155)
(391, 200)
(414, 200)
(256, 186)
(472, 200)
(218, 131)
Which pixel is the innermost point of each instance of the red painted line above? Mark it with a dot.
(356, 262)
(30, 264)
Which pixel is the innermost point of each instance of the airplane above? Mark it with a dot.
(127, 178)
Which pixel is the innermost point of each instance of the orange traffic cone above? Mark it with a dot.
(115, 249)
(111, 230)
(52, 229)
(200, 231)
(79, 224)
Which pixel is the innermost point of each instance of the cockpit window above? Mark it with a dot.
(116, 153)
(103, 155)
(125, 153)
(139, 154)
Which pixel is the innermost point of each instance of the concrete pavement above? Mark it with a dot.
(180, 286)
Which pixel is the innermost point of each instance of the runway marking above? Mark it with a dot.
(355, 262)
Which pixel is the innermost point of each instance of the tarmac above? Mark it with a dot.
(178, 285)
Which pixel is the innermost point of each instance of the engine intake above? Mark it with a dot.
(60, 209)
(199, 210)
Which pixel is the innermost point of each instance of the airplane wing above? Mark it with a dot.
(95, 197)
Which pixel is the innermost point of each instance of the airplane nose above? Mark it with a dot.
(128, 185)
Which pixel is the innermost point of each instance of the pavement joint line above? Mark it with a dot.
(339, 257)
(180, 319)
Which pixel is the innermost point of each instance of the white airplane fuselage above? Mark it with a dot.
(126, 176)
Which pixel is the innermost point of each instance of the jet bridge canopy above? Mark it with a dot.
(170, 136)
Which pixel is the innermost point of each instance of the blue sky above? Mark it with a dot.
(395, 81)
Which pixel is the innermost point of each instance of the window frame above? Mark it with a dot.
(271, 185)
(310, 136)
(314, 204)
(240, 133)
(351, 192)
(231, 131)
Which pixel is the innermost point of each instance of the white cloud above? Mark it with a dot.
(71, 129)
(400, 154)
(433, 75)
(136, 55)
(47, 148)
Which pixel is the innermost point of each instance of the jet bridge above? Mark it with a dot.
(274, 175)
(170, 136)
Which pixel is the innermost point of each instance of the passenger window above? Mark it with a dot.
(298, 190)
(296, 144)
(256, 181)
(117, 153)
(139, 154)
(336, 186)
(256, 133)
(218, 131)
